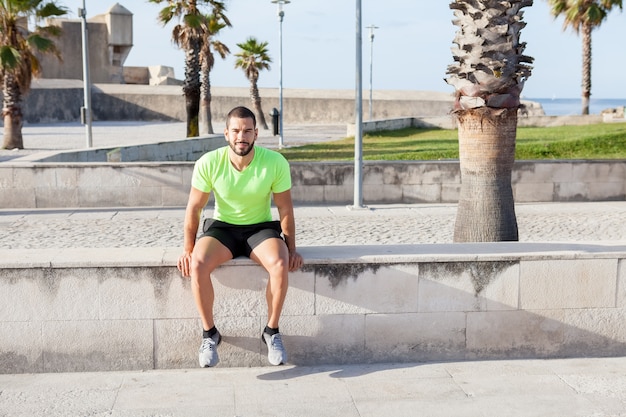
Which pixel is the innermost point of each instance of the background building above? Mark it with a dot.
(110, 37)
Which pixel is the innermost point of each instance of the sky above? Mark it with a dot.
(410, 51)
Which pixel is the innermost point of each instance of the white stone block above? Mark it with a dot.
(601, 331)
(146, 293)
(571, 191)
(554, 284)
(598, 191)
(21, 348)
(18, 197)
(147, 176)
(34, 294)
(473, 286)
(450, 193)
(240, 291)
(365, 288)
(119, 196)
(531, 192)
(599, 172)
(531, 172)
(6, 178)
(92, 345)
(338, 193)
(415, 337)
(382, 193)
(173, 197)
(27, 178)
(308, 342)
(309, 193)
(422, 193)
(50, 197)
(514, 334)
(373, 175)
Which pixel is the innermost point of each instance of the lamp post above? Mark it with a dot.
(281, 14)
(358, 135)
(85, 111)
(371, 28)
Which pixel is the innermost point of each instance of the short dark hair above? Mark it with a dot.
(241, 112)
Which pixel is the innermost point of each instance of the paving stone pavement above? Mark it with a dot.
(581, 387)
(316, 225)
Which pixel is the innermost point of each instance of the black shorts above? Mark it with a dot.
(241, 239)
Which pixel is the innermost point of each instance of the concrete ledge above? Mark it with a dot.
(188, 149)
(124, 309)
(158, 184)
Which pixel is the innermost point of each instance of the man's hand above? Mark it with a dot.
(184, 264)
(295, 261)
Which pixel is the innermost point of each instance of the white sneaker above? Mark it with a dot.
(207, 354)
(276, 352)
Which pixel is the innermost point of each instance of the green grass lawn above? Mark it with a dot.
(599, 141)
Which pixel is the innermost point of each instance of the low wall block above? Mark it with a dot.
(129, 309)
(157, 184)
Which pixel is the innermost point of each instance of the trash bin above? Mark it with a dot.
(275, 114)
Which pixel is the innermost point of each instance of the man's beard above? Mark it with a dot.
(242, 152)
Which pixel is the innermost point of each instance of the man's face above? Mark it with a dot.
(241, 135)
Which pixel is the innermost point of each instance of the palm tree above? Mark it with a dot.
(583, 16)
(190, 34)
(215, 23)
(488, 74)
(18, 63)
(252, 58)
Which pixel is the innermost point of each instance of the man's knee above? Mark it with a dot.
(277, 264)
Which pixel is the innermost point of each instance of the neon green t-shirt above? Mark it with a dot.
(244, 197)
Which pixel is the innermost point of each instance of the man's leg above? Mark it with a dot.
(207, 255)
(273, 255)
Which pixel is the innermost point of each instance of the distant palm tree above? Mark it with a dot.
(18, 63)
(488, 74)
(583, 16)
(190, 34)
(252, 58)
(215, 23)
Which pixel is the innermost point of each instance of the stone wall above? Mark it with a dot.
(167, 103)
(127, 309)
(157, 184)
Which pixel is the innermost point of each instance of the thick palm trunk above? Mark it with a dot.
(586, 82)
(486, 210)
(191, 89)
(12, 115)
(205, 101)
(488, 74)
(256, 102)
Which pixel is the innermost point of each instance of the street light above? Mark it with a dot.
(281, 14)
(85, 113)
(358, 134)
(371, 28)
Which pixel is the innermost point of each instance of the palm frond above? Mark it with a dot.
(9, 57)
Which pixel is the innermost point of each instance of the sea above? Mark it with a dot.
(573, 106)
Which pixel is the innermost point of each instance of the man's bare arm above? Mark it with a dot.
(284, 205)
(195, 204)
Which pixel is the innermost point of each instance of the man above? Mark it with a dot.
(243, 178)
